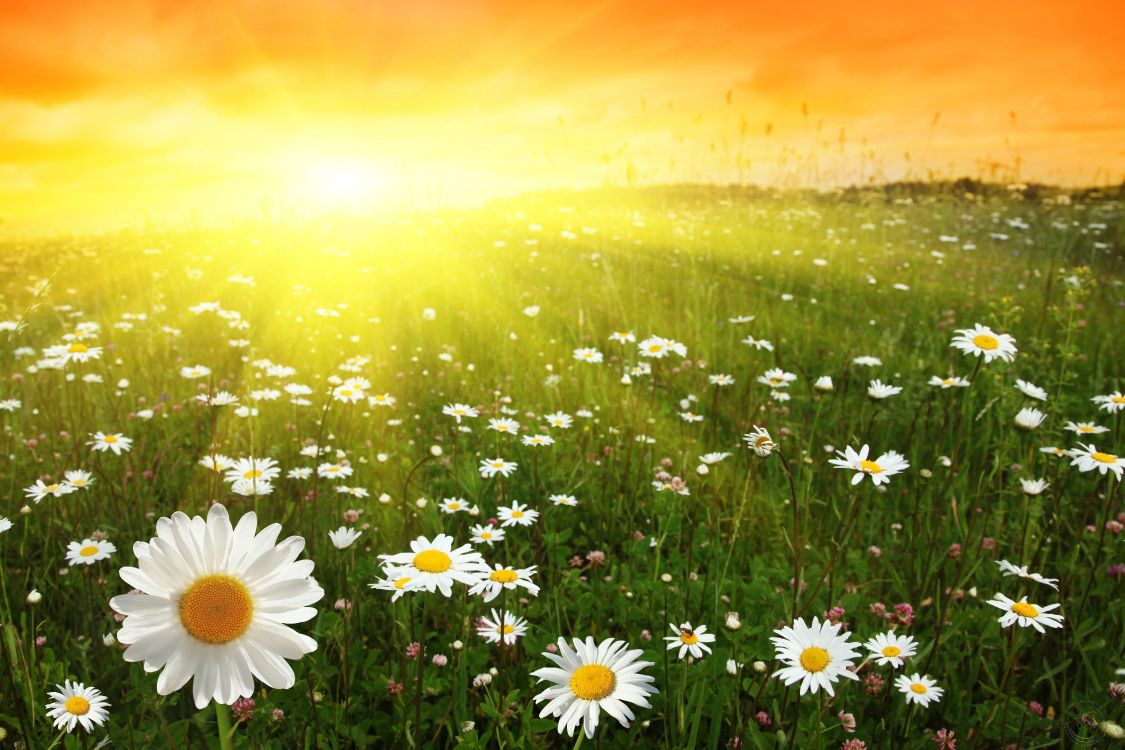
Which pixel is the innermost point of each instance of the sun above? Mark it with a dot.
(343, 182)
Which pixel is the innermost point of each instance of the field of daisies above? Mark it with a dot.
(677, 468)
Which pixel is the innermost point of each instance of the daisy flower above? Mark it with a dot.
(1034, 486)
(490, 467)
(73, 703)
(720, 379)
(344, 537)
(486, 534)
(824, 384)
(116, 442)
(815, 655)
(1029, 419)
(689, 640)
(40, 490)
(504, 425)
(760, 441)
(888, 648)
(563, 500)
(398, 580)
(623, 337)
(1025, 614)
(303, 472)
(588, 354)
(333, 471)
(216, 462)
(538, 441)
(215, 605)
(880, 470)
(758, 343)
(715, 457)
(559, 419)
(1031, 390)
(79, 479)
(950, 382)
(503, 628)
(453, 505)
(88, 551)
(867, 361)
(1085, 428)
(777, 378)
(5, 524)
(490, 583)
(1054, 451)
(253, 469)
(381, 399)
(1011, 569)
(982, 341)
(1112, 402)
(195, 372)
(919, 689)
(516, 515)
(457, 411)
(1089, 458)
(879, 390)
(591, 677)
(436, 565)
(76, 351)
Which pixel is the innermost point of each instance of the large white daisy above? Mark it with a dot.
(982, 341)
(592, 677)
(215, 604)
(815, 655)
(436, 565)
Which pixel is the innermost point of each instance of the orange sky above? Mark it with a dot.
(118, 110)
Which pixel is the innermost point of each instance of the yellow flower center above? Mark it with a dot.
(52, 488)
(1104, 458)
(432, 561)
(486, 535)
(871, 467)
(252, 474)
(814, 659)
(401, 582)
(593, 682)
(775, 381)
(455, 506)
(1118, 399)
(498, 464)
(984, 341)
(504, 629)
(654, 348)
(947, 381)
(761, 441)
(78, 348)
(109, 439)
(688, 638)
(1085, 428)
(345, 392)
(918, 688)
(216, 609)
(334, 469)
(88, 551)
(1023, 609)
(891, 651)
(503, 576)
(517, 514)
(77, 705)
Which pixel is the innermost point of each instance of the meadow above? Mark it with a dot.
(627, 404)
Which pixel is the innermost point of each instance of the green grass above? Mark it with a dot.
(672, 262)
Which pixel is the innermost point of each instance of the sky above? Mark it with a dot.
(122, 112)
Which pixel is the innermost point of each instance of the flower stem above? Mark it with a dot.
(222, 719)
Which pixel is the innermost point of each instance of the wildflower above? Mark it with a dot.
(344, 537)
(516, 515)
(690, 640)
(1034, 486)
(814, 655)
(1025, 614)
(1113, 402)
(879, 390)
(1031, 390)
(759, 441)
(950, 382)
(436, 565)
(73, 703)
(880, 470)
(1089, 458)
(490, 583)
(919, 689)
(88, 551)
(490, 467)
(486, 534)
(457, 411)
(1010, 569)
(116, 442)
(503, 628)
(982, 341)
(888, 648)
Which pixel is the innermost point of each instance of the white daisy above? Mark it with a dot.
(588, 354)
(398, 580)
(1025, 614)
(982, 341)
(1112, 402)
(815, 655)
(457, 411)
(950, 382)
(79, 479)
(919, 689)
(253, 470)
(880, 470)
(453, 505)
(344, 537)
(490, 582)
(1031, 390)
(516, 514)
(689, 640)
(889, 648)
(879, 390)
(436, 565)
(40, 490)
(1089, 458)
(1034, 486)
(563, 500)
(759, 441)
(73, 703)
(590, 678)
(559, 419)
(1029, 419)
(824, 384)
(215, 605)
(1085, 428)
(1011, 569)
(503, 628)
(486, 534)
(88, 551)
(490, 467)
(538, 441)
(334, 471)
(116, 442)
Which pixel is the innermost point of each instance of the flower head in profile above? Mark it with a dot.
(982, 341)
(592, 677)
(1011, 569)
(815, 655)
(215, 604)
(760, 442)
(1031, 390)
(878, 390)
(1029, 418)
(344, 537)
(880, 470)
(73, 703)
(951, 382)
